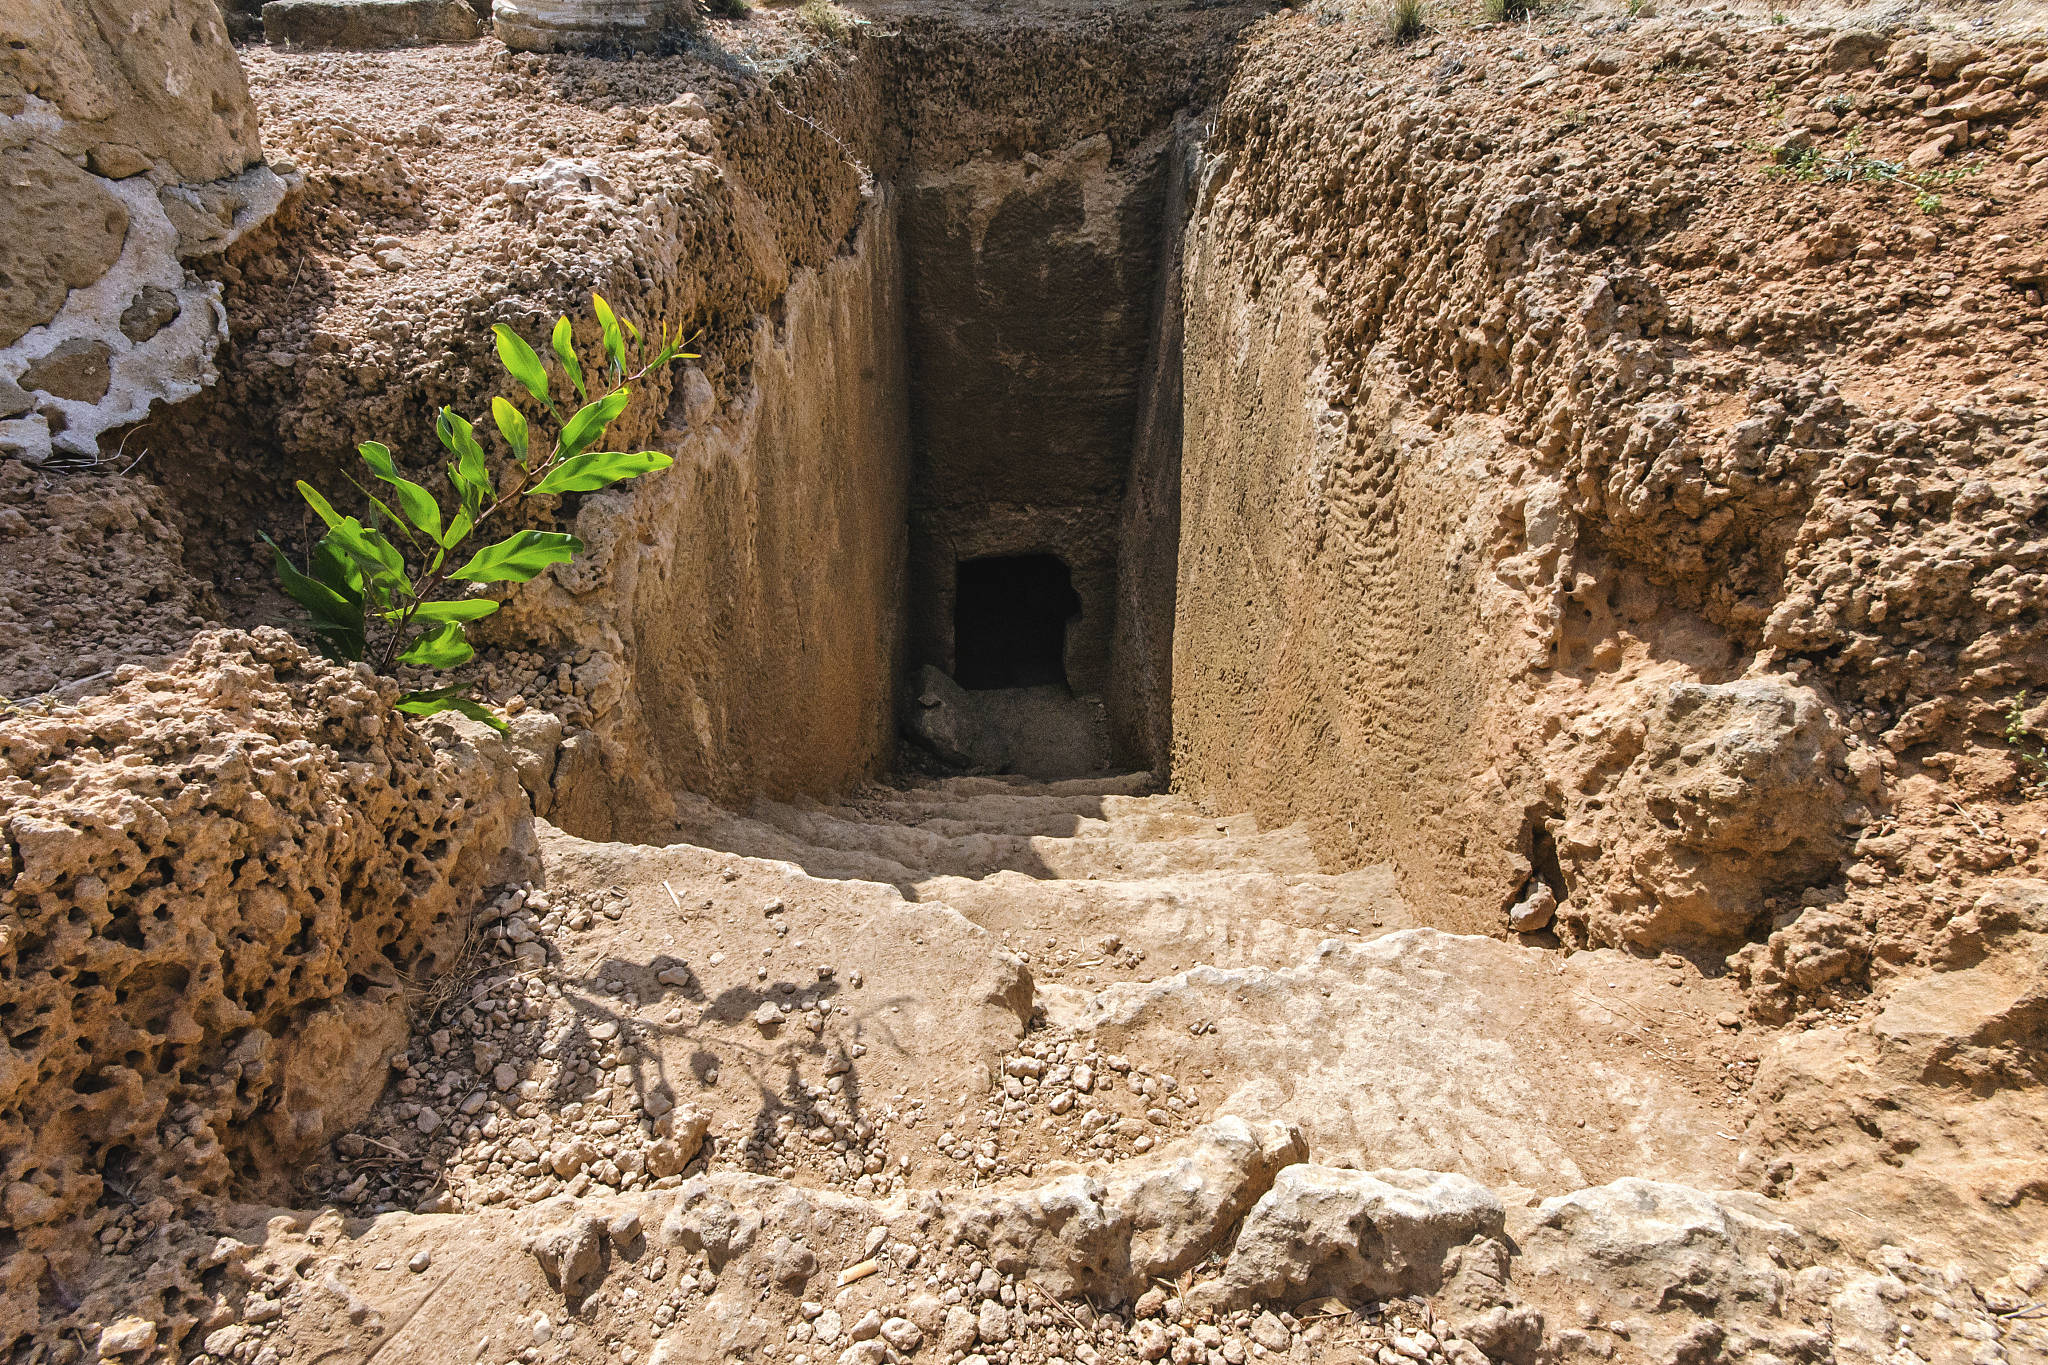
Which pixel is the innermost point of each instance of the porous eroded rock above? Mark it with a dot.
(1581, 400)
(1731, 798)
(215, 881)
(1321, 1230)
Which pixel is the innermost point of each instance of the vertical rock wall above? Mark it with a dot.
(1436, 401)
(756, 586)
(1140, 695)
(1034, 161)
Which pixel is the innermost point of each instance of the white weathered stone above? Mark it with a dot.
(1321, 1230)
(566, 25)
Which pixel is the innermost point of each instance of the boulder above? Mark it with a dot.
(1113, 1231)
(1181, 1199)
(571, 1253)
(1855, 48)
(569, 25)
(142, 128)
(943, 717)
(1730, 797)
(1321, 1230)
(1650, 1246)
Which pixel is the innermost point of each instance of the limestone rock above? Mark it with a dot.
(567, 25)
(307, 824)
(154, 309)
(76, 369)
(1060, 1231)
(1117, 1229)
(708, 1222)
(1181, 1199)
(1730, 798)
(133, 99)
(129, 1336)
(1321, 1230)
(209, 217)
(1480, 1305)
(571, 1253)
(1534, 910)
(1855, 48)
(944, 718)
(65, 231)
(154, 80)
(1650, 1245)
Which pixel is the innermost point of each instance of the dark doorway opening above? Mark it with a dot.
(1010, 619)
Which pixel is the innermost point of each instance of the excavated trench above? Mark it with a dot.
(1097, 744)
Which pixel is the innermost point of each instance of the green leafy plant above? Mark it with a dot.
(2027, 743)
(730, 9)
(1508, 11)
(1850, 165)
(381, 588)
(1405, 21)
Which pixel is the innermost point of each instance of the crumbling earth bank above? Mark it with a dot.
(220, 880)
(1543, 414)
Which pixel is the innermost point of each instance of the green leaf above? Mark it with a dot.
(415, 502)
(337, 616)
(586, 428)
(521, 363)
(336, 569)
(435, 702)
(382, 565)
(459, 526)
(600, 469)
(467, 609)
(445, 646)
(512, 426)
(319, 504)
(614, 341)
(519, 557)
(472, 476)
(564, 342)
